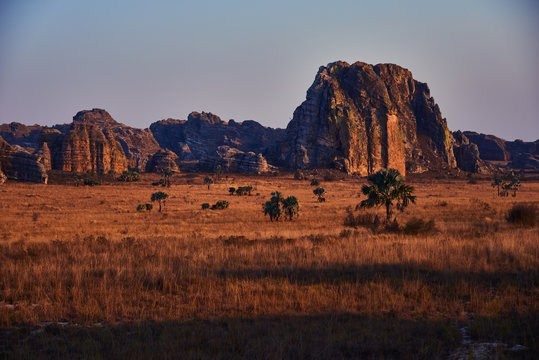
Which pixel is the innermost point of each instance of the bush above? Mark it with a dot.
(129, 176)
(91, 182)
(522, 214)
(315, 182)
(368, 220)
(244, 190)
(417, 226)
(231, 190)
(142, 207)
(220, 205)
(205, 206)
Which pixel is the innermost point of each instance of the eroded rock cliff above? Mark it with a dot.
(362, 118)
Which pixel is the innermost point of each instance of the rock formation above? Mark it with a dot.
(22, 135)
(362, 118)
(516, 154)
(3, 178)
(468, 157)
(163, 159)
(18, 164)
(209, 141)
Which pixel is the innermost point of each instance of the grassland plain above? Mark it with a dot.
(83, 274)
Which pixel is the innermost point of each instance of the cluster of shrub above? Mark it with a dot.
(240, 191)
(278, 205)
(219, 205)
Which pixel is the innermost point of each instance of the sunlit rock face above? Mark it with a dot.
(360, 118)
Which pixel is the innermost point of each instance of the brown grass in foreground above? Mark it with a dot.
(232, 284)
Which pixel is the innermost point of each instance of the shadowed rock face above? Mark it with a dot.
(362, 118)
(20, 134)
(518, 153)
(19, 164)
(468, 157)
(205, 138)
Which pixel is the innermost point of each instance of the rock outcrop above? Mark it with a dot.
(517, 154)
(95, 142)
(3, 178)
(18, 164)
(468, 157)
(209, 141)
(22, 135)
(163, 159)
(362, 118)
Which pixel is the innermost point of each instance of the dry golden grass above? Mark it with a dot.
(84, 255)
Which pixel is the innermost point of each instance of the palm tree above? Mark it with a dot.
(291, 207)
(497, 182)
(387, 186)
(159, 197)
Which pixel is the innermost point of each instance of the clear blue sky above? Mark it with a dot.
(148, 60)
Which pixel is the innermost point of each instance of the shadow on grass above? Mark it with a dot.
(328, 336)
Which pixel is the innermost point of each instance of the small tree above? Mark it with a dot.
(320, 192)
(160, 197)
(291, 207)
(315, 182)
(231, 190)
(387, 186)
(167, 174)
(208, 181)
(129, 176)
(205, 206)
(497, 183)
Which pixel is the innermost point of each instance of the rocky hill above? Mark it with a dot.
(361, 118)
(205, 141)
(356, 118)
(516, 154)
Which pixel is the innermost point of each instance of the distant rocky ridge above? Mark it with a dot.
(357, 118)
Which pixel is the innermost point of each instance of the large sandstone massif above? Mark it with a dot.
(356, 117)
(362, 118)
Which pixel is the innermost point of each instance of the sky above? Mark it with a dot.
(145, 61)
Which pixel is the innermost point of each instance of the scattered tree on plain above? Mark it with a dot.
(208, 181)
(160, 197)
(386, 187)
(320, 193)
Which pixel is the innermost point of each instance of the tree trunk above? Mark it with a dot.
(388, 212)
(159, 205)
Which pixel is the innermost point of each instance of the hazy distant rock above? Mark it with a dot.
(237, 161)
(19, 134)
(468, 156)
(361, 118)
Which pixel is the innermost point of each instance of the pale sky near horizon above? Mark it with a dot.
(148, 60)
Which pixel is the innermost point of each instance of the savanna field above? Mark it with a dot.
(83, 274)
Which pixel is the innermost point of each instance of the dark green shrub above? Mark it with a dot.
(208, 181)
(320, 192)
(315, 182)
(91, 182)
(205, 206)
(141, 207)
(149, 207)
(522, 214)
(220, 205)
(416, 226)
(129, 176)
(231, 190)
